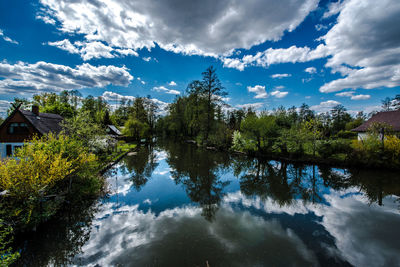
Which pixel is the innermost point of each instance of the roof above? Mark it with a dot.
(45, 122)
(390, 117)
(114, 130)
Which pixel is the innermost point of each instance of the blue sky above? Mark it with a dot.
(267, 53)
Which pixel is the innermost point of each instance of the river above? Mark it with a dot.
(176, 205)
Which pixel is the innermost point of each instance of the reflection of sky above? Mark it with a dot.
(160, 226)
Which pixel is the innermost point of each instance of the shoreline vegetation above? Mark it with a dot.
(295, 134)
(51, 172)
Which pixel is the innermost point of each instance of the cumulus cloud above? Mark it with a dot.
(89, 50)
(4, 105)
(325, 106)
(333, 9)
(271, 56)
(163, 89)
(23, 77)
(259, 90)
(279, 94)
(311, 70)
(256, 106)
(112, 96)
(203, 28)
(365, 45)
(280, 75)
(172, 83)
(320, 27)
(6, 38)
(352, 96)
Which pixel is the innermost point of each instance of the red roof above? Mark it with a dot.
(390, 117)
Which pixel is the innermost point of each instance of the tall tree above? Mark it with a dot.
(214, 92)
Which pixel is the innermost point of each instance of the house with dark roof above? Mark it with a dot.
(391, 118)
(113, 131)
(22, 125)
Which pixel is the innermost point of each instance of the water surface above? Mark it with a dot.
(176, 205)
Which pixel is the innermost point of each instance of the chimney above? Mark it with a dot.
(35, 110)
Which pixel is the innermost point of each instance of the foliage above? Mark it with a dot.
(199, 114)
(7, 256)
(136, 129)
(261, 129)
(43, 169)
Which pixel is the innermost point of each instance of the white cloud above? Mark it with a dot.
(112, 96)
(6, 38)
(147, 59)
(311, 70)
(271, 56)
(203, 28)
(4, 105)
(89, 50)
(325, 106)
(21, 78)
(320, 27)
(280, 75)
(259, 90)
(360, 97)
(364, 45)
(163, 89)
(279, 94)
(333, 9)
(257, 105)
(172, 83)
(46, 19)
(352, 96)
(347, 94)
(140, 80)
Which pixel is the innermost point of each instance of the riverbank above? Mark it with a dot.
(339, 160)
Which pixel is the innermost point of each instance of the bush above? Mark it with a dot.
(40, 175)
(7, 257)
(328, 148)
(346, 134)
(372, 151)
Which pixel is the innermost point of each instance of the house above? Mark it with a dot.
(113, 131)
(390, 117)
(22, 125)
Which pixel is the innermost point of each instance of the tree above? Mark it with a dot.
(212, 88)
(340, 117)
(261, 129)
(387, 104)
(136, 129)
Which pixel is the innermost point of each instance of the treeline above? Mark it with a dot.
(202, 116)
(137, 116)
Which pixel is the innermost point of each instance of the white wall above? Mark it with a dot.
(362, 136)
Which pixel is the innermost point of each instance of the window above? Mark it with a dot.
(18, 128)
(8, 150)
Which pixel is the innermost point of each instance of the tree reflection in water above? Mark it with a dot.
(56, 242)
(202, 175)
(140, 166)
(199, 172)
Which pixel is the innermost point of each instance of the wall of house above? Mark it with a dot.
(3, 148)
(5, 137)
(362, 136)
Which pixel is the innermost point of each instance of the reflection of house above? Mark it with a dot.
(113, 131)
(389, 117)
(22, 125)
